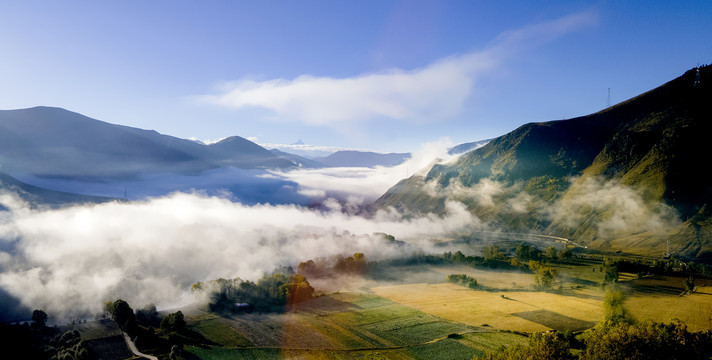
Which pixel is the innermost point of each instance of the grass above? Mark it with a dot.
(476, 308)
(489, 342)
(658, 298)
(339, 326)
(217, 329)
(445, 349)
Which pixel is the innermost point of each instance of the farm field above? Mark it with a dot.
(344, 325)
(524, 311)
(507, 301)
(422, 316)
(658, 298)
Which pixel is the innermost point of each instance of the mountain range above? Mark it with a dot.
(631, 177)
(628, 178)
(53, 142)
(53, 148)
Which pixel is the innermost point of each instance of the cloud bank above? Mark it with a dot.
(68, 261)
(359, 185)
(434, 92)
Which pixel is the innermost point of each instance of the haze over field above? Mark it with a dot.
(68, 260)
(544, 159)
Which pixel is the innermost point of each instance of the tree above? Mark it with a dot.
(124, 316)
(174, 322)
(544, 276)
(689, 285)
(541, 346)
(613, 311)
(148, 315)
(298, 289)
(462, 279)
(523, 252)
(550, 252)
(610, 271)
(39, 318)
(492, 252)
(648, 340)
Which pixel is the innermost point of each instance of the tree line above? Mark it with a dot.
(269, 293)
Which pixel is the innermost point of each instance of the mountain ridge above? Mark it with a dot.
(649, 144)
(54, 142)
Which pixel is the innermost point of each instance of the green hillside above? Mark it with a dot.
(630, 177)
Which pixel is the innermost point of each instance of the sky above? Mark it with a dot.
(371, 75)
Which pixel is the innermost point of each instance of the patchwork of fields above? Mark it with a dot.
(430, 318)
(345, 325)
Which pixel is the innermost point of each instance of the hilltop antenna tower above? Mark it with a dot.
(667, 253)
(609, 97)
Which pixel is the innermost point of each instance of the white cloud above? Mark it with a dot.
(207, 141)
(68, 261)
(306, 148)
(365, 185)
(434, 92)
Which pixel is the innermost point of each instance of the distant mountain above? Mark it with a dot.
(53, 142)
(36, 196)
(242, 153)
(631, 177)
(466, 147)
(299, 161)
(351, 158)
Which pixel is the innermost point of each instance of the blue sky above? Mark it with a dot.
(379, 75)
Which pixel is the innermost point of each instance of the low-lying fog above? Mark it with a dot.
(68, 261)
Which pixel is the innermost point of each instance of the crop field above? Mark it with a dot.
(658, 298)
(507, 310)
(344, 325)
(424, 317)
(511, 280)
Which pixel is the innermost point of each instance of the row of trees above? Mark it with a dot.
(623, 341)
(322, 267)
(269, 293)
(462, 279)
(128, 320)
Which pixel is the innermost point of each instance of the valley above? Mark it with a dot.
(416, 314)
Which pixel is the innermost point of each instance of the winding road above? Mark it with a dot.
(134, 349)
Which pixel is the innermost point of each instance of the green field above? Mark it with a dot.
(345, 325)
(432, 318)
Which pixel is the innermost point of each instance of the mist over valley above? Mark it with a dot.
(347, 181)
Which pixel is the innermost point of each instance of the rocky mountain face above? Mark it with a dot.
(631, 177)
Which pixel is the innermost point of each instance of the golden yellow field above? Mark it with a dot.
(509, 303)
(526, 311)
(695, 310)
